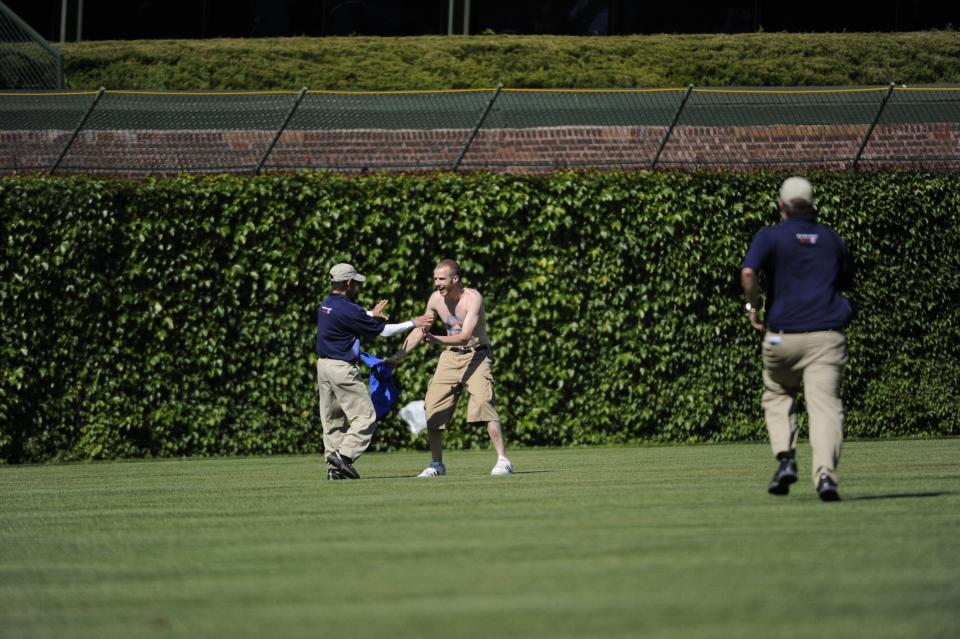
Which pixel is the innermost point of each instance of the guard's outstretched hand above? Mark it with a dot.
(378, 313)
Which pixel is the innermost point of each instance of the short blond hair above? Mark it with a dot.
(450, 264)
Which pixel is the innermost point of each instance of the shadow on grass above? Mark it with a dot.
(899, 496)
(516, 472)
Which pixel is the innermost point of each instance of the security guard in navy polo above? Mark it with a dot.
(807, 267)
(346, 410)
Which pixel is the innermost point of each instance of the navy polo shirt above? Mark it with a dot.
(806, 266)
(340, 323)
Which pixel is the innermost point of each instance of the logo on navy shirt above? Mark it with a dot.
(807, 238)
(326, 310)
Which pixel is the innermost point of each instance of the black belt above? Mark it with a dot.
(469, 349)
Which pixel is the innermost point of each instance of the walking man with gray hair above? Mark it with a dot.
(806, 267)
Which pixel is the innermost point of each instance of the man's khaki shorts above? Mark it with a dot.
(456, 371)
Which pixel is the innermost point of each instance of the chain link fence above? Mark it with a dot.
(27, 61)
(134, 133)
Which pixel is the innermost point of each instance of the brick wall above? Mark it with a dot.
(533, 150)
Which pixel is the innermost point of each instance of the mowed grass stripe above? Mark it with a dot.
(666, 542)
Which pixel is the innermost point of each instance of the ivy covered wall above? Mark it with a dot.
(176, 317)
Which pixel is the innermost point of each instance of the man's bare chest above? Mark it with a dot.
(454, 312)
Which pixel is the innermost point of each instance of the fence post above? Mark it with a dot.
(876, 118)
(473, 134)
(276, 137)
(76, 131)
(676, 116)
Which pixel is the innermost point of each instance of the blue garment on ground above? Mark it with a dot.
(383, 388)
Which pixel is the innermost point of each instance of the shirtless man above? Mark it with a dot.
(465, 362)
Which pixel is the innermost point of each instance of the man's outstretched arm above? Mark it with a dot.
(423, 323)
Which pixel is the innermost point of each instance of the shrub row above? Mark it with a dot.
(457, 62)
(176, 317)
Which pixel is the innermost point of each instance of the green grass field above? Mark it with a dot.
(601, 542)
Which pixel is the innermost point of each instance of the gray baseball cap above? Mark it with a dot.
(344, 272)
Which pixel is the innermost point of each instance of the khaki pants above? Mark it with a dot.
(454, 372)
(815, 361)
(346, 410)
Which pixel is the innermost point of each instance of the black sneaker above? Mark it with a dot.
(343, 464)
(827, 488)
(333, 473)
(786, 474)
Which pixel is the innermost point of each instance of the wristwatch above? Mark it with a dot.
(751, 308)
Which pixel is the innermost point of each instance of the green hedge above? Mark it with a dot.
(176, 317)
(456, 62)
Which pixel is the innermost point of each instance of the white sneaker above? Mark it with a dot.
(502, 467)
(435, 469)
